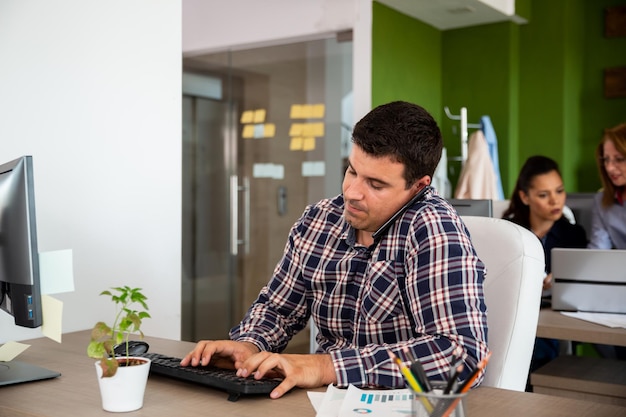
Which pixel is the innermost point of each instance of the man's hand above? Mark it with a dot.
(222, 353)
(304, 371)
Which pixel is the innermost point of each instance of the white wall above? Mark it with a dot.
(218, 25)
(92, 89)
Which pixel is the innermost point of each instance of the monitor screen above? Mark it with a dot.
(20, 293)
(469, 207)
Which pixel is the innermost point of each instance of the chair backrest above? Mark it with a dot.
(515, 266)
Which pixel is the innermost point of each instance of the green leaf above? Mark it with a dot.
(127, 320)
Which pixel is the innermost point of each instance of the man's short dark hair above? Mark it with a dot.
(405, 132)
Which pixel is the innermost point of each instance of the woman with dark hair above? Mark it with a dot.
(608, 222)
(537, 204)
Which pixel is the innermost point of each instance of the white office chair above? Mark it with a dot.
(515, 266)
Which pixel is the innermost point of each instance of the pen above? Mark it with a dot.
(418, 370)
(410, 379)
(408, 376)
(470, 380)
(456, 357)
(452, 380)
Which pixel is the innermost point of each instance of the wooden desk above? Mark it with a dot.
(554, 325)
(595, 379)
(75, 392)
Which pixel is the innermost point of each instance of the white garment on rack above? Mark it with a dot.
(478, 179)
(440, 179)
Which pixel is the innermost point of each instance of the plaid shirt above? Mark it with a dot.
(420, 286)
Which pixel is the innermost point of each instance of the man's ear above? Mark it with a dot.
(421, 183)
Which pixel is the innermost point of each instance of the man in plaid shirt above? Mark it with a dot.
(388, 265)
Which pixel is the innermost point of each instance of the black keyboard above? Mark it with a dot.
(219, 378)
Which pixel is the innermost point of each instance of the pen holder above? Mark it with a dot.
(437, 404)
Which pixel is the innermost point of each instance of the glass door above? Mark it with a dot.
(280, 125)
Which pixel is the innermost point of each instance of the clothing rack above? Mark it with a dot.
(464, 126)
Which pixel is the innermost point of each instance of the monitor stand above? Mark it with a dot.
(15, 372)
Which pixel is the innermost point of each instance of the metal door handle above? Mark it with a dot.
(235, 188)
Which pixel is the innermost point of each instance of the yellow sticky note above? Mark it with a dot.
(318, 129)
(295, 129)
(307, 111)
(10, 350)
(307, 129)
(308, 144)
(247, 116)
(318, 111)
(248, 131)
(269, 130)
(259, 116)
(296, 111)
(52, 318)
(295, 144)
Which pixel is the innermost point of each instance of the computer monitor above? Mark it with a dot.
(470, 207)
(20, 293)
(581, 205)
(20, 290)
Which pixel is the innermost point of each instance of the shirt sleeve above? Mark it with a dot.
(280, 310)
(600, 238)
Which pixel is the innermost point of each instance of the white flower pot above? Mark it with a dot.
(125, 390)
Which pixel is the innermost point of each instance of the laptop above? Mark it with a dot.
(591, 280)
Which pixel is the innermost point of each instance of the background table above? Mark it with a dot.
(554, 325)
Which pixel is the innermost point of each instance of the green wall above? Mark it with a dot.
(597, 112)
(480, 72)
(550, 82)
(406, 60)
(541, 83)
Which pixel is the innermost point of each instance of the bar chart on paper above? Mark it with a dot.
(373, 403)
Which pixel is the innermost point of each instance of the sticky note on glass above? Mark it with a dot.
(296, 111)
(307, 129)
(269, 130)
(308, 144)
(259, 116)
(307, 111)
(247, 116)
(313, 169)
(317, 129)
(259, 131)
(248, 131)
(295, 144)
(295, 129)
(318, 111)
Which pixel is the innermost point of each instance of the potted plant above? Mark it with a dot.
(122, 379)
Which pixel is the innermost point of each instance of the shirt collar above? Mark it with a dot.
(349, 234)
